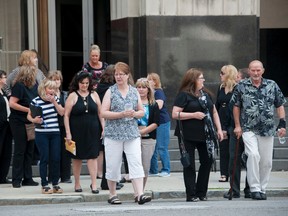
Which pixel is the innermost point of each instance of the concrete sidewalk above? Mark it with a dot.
(157, 187)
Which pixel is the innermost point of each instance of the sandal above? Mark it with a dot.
(143, 199)
(57, 189)
(114, 200)
(223, 178)
(46, 190)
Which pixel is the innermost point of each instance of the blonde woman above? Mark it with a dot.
(65, 164)
(47, 134)
(94, 66)
(147, 124)
(228, 76)
(163, 131)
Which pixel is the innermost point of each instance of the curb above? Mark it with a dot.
(60, 198)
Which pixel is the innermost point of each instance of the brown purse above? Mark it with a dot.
(30, 131)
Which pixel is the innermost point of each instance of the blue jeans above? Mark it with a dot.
(161, 148)
(49, 146)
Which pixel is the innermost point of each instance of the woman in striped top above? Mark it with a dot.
(47, 134)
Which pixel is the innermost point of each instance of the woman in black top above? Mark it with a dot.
(187, 107)
(23, 91)
(228, 76)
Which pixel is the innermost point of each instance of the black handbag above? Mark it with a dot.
(185, 158)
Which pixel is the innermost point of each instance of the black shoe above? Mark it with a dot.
(119, 184)
(94, 191)
(6, 181)
(227, 195)
(263, 196)
(16, 185)
(29, 183)
(256, 196)
(66, 181)
(204, 198)
(192, 199)
(248, 195)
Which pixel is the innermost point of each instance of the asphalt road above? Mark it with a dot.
(276, 206)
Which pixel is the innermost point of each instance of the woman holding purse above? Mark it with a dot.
(187, 107)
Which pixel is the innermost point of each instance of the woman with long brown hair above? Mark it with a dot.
(23, 91)
(195, 109)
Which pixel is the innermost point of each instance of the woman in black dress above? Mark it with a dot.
(82, 124)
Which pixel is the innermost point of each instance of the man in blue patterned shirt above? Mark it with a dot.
(254, 102)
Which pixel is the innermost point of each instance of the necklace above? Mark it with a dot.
(85, 100)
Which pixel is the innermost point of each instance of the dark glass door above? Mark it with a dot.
(69, 38)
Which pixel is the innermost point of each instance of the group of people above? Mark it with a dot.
(106, 114)
(243, 117)
(95, 103)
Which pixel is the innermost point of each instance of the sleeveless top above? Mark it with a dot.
(122, 129)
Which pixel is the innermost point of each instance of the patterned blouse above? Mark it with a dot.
(257, 105)
(122, 129)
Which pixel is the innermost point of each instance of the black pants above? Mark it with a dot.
(237, 172)
(224, 157)
(197, 188)
(5, 150)
(65, 163)
(23, 153)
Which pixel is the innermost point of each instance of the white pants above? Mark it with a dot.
(259, 164)
(113, 155)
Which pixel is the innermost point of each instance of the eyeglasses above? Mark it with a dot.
(201, 78)
(120, 75)
(222, 73)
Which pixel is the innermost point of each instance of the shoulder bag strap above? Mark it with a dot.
(181, 144)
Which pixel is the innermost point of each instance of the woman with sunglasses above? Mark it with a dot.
(228, 76)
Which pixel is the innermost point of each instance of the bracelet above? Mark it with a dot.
(282, 123)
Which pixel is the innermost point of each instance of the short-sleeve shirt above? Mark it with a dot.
(49, 115)
(193, 129)
(257, 105)
(25, 96)
(122, 128)
(164, 115)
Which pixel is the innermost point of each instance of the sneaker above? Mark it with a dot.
(46, 190)
(153, 175)
(164, 174)
(57, 189)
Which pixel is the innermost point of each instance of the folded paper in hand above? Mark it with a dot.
(70, 146)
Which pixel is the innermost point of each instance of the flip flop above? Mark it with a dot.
(114, 200)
